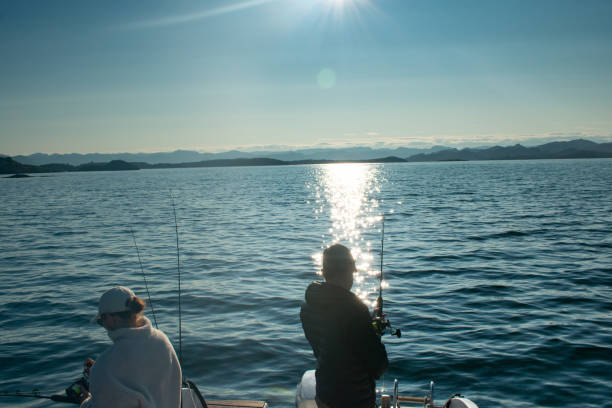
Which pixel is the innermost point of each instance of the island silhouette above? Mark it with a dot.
(573, 149)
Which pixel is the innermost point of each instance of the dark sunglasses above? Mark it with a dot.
(101, 319)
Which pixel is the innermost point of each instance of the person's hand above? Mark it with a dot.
(87, 364)
(78, 391)
(83, 396)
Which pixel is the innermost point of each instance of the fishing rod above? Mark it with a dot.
(380, 277)
(186, 383)
(144, 276)
(74, 394)
(37, 394)
(178, 268)
(381, 323)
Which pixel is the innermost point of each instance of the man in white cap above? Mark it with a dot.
(140, 369)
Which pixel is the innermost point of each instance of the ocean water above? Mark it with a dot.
(499, 274)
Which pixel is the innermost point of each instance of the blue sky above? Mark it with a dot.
(134, 76)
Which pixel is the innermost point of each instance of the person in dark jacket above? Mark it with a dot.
(350, 356)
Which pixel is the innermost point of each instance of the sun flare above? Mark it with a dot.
(341, 7)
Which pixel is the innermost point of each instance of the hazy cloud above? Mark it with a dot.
(186, 18)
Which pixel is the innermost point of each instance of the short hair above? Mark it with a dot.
(337, 259)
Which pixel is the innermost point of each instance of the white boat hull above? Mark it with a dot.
(307, 388)
(306, 391)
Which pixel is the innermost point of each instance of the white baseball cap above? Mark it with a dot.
(114, 300)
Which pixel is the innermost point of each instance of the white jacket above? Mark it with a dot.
(139, 370)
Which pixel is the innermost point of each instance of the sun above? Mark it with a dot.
(340, 9)
(342, 4)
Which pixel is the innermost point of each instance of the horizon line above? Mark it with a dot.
(373, 146)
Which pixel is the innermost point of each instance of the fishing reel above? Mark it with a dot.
(79, 390)
(381, 324)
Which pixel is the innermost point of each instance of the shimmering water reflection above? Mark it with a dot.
(500, 273)
(347, 194)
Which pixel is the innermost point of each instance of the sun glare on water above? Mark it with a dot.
(347, 194)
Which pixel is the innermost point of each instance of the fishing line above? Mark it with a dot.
(382, 250)
(379, 301)
(380, 279)
(33, 393)
(144, 276)
(187, 383)
(178, 268)
(24, 394)
(36, 394)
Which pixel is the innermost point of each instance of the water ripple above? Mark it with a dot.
(498, 273)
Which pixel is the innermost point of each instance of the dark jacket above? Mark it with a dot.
(350, 356)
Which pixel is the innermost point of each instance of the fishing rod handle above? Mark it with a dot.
(63, 398)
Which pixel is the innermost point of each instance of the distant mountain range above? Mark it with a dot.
(574, 149)
(579, 148)
(188, 156)
(10, 166)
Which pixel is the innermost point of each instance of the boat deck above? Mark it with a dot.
(236, 404)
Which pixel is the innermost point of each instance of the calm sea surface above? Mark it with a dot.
(498, 273)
